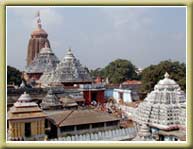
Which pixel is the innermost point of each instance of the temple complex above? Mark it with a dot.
(66, 102)
(69, 72)
(37, 41)
(44, 62)
(163, 111)
(26, 120)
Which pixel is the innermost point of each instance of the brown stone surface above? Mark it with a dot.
(35, 44)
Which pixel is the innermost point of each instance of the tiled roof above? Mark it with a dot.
(77, 117)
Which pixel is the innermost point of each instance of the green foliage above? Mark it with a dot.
(152, 74)
(13, 76)
(117, 71)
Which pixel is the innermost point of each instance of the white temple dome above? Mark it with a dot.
(45, 61)
(167, 83)
(46, 49)
(69, 70)
(163, 106)
(25, 98)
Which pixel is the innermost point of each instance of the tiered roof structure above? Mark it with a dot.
(51, 101)
(24, 108)
(162, 107)
(45, 61)
(144, 134)
(69, 70)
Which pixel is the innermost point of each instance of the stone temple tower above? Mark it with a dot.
(37, 40)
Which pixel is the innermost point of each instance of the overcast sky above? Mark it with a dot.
(99, 35)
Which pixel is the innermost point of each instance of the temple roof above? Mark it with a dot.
(45, 61)
(78, 117)
(24, 98)
(24, 108)
(50, 101)
(69, 70)
(163, 106)
(46, 49)
(39, 31)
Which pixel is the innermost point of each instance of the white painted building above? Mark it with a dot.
(122, 94)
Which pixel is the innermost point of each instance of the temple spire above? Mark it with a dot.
(166, 75)
(38, 19)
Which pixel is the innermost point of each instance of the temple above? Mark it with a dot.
(51, 102)
(63, 103)
(26, 120)
(163, 111)
(44, 62)
(37, 41)
(68, 72)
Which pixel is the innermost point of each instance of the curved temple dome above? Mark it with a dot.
(44, 62)
(69, 70)
(163, 107)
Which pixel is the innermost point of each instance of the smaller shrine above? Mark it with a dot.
(69, 72)
(93, 93)
(51, 102)
(163, 111)
(44, 62)
(26, 121)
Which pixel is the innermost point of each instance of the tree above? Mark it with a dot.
(97, 72)
(152, 74)
(13, 76)
(117, 71)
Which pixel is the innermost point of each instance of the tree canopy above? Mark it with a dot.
(117, 71)
(13, 76)
(152, 74)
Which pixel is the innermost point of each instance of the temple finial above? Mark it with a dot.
(38, 19)
(69, 50)
(166, 75)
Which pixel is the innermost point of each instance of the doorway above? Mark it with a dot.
(28, 129)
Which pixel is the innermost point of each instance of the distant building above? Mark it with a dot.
(98, 79)
(26, 120)
(125, 95)
(162, 114)
(93, 93)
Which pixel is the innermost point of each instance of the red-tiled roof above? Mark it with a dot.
(132, 82)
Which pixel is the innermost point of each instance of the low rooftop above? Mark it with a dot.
(78, 117)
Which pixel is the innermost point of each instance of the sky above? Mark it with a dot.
(99, 35)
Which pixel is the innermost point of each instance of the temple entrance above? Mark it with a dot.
(94, 96)
(161, 138)
(28, 129)
(53, 132)
(120, 95)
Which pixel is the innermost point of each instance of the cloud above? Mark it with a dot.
(28, 19)
(132, 18)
